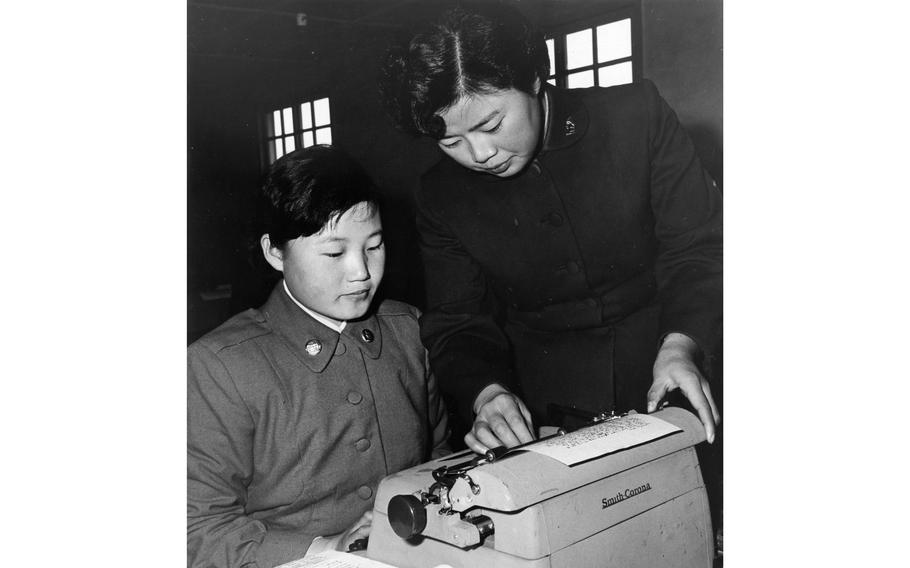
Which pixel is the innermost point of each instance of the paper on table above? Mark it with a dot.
(603, 438)
(335, 559)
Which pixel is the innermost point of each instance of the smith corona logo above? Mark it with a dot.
(623, 495)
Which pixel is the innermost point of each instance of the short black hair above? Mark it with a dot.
(483, 49)
(306, 189)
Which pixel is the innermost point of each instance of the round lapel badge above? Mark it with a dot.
(367, 335)
(313, 347)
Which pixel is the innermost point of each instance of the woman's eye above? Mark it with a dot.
(333, 254)
(450, 144)
(376, 247)
(495, 128)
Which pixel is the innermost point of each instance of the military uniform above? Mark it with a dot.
(292, 425)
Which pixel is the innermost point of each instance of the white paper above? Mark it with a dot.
(603, 438)
(335, 559)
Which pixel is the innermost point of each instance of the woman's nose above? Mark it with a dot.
(359, 269)
(482, 151)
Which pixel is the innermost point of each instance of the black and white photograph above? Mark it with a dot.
(455, 283)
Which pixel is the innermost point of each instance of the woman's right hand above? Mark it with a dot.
(502, 419)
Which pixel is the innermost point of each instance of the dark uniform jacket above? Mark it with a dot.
(560, 281)
(292, 425)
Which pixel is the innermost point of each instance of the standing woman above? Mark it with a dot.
(571, 238)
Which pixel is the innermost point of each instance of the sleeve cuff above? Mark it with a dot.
(323, 543)
(281, 546)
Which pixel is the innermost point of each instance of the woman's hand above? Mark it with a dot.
(502, 419)
(360, 529)
(674, 368)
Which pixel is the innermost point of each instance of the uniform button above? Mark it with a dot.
(572, 267)
(355, 397)
(340, 349)
(555, 219)
(367, 336)
(364, 492)
(362, 445)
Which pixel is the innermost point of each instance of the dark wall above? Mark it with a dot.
(683, 55)
(230, 89)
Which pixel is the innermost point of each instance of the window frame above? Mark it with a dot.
(559, 33)
(266, 123)
(268, 131)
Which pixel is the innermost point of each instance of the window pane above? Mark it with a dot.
(580, 80)
(618, 74)
(579, 49)
(289, 145)
(552, 82)
(324, 136)
(279, 148)
(276, 123)
(306, 118)
(307, 138)
(614, 41)
(551, 50)
(288, 120)
(322, 112)
(271, 146)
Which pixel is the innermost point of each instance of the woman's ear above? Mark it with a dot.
(271, 253)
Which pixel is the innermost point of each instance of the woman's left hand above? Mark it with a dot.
(675, 368)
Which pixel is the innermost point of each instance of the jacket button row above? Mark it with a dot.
(354, 397)
(364, 492)
(340, 349)
(362, 445)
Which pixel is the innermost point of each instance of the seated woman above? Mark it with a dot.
(298, 409)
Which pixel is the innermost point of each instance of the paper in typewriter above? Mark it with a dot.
(335, 559)
(603, 438)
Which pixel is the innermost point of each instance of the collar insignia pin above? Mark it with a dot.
(570, 127)
(313, 347)
(367, 335)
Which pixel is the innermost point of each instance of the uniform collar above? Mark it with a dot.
(318, 317)
(366, 334)
(311, 341)
(567, 119)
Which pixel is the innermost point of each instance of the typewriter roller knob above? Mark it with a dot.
(407, 515)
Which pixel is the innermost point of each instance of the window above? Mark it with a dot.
(299, 126)
(282, 139)
(603, 53)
